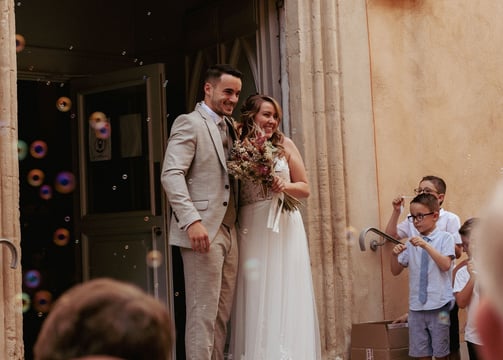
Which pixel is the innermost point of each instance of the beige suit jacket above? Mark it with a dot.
(194, 175)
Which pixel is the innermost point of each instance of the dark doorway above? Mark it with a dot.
(49, 251)
(68, 41)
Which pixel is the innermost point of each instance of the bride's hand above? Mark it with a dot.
(278, 184)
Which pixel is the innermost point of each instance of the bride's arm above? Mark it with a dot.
(298, 187)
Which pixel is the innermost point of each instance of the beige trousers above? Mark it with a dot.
(210, 281)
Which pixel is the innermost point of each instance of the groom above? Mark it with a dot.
(203, 202)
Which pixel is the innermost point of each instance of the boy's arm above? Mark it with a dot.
(458, 250)
(464, 296)
(452, 226)
(442, 261)
(458, 266)
(393, 220)
(396, 267)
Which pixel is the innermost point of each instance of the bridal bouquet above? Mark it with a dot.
(252, 159)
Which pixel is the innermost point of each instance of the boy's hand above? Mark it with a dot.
(397, 203)
(397, 249)
(418, 241)
(402, 319)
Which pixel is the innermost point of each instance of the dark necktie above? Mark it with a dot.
(222, 126)
(230, 214)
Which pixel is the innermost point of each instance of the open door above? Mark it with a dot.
(122, 129)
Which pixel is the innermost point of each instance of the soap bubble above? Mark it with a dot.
(42, 301)
(38, 149)
(61, 237)
(46, 192)
(252, 269)
(351, 233)
(65, 182)
(444, 317)
(22, 149)
(154, 258)
(35, 177)
(32, 278)
(23, 301)
(64, 104)
(20, 43)
(99, 122)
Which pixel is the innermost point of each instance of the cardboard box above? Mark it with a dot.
(380, 354)
(380, 340)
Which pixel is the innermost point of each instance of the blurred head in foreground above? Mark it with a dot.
(487, 255)
(106, 319)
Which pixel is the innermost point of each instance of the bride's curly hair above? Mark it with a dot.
(248, 127)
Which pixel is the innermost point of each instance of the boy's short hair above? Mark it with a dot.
(428, 200)
(468, 226)
(106, 317)
(438, 182)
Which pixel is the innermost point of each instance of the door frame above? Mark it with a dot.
(154, 78)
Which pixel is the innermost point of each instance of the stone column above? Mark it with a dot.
(11, 331)
(331, 122)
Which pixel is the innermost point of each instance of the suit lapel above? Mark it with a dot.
(215, 137)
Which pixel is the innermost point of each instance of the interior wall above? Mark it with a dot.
(81, 38)
(73, 39)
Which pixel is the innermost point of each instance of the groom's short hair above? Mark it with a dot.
(214, 72)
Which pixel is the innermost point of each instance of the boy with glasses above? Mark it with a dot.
(447, 221)
(428, 256)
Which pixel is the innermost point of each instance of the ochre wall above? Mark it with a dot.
(436, 84)
(429, 68)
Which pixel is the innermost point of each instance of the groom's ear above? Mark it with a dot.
(489, 324)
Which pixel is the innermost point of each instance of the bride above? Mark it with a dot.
(274, 313)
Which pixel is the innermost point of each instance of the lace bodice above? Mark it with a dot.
(251, 192)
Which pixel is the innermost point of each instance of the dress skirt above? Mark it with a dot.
(274, 316)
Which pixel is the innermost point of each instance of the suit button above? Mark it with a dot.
(227, 186)
(225, 203)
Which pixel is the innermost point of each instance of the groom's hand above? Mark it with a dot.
(198, 236)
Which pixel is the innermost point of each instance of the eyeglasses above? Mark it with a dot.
(425, 190)
(418, 217)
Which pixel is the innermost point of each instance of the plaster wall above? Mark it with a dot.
(384, 94)
(436, 85)
(11, 345)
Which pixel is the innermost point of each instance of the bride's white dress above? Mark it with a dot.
(274, 314)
